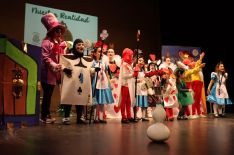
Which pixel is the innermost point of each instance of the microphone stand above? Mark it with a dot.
(135, 108)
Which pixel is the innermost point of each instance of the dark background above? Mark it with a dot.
(207, 25)
(162, 22)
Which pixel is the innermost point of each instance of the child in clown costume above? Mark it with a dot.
(197, 85)
(217, 91)
(101, 87)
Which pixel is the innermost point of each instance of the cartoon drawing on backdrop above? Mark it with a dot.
(179, 53)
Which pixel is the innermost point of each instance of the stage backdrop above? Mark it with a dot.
(78, 25)
(175, 52)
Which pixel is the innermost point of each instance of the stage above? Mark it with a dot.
(196, 137)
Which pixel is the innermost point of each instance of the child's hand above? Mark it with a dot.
(68, 72)
(57, 68)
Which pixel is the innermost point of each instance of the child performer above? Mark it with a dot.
(141, 98)
(170, 101)
(184, 94)
(113, 67)
(126, 86)
(217, 91)
(76, 84)
(101, 87)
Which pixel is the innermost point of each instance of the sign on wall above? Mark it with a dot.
(79, 25)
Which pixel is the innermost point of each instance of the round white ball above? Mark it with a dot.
(158, 132)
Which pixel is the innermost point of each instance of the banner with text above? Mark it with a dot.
(79, 25)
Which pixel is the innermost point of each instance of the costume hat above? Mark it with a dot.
(51, 22)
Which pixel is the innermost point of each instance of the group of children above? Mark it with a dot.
(110, 83)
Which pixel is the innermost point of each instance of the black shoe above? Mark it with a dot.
(179, 118)
(171, 119)
(138, 119)
(96, 121)
(145, 119)
(125, 121)
(80, 121)
(133, 120)
(47, 120)
(222, 115)
(184, 117)
(103, 121)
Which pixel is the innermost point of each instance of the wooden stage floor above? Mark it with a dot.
(203, 136)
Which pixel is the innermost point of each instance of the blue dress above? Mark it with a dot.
(218, 93)
(102, 93)
(142, 95)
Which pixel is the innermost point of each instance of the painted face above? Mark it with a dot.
(192, 64)
(129, 59)
(127, 55)
(111, 54)
(80, 47)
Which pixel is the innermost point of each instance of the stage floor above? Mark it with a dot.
(203, 136)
